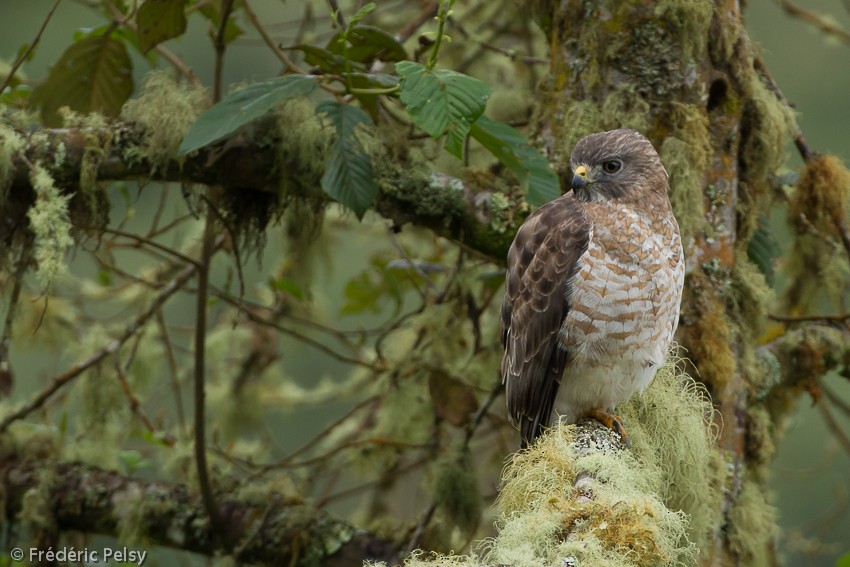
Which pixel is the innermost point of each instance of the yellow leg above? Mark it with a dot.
(612, 422)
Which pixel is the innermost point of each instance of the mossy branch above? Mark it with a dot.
(87, 499)
(252, 163)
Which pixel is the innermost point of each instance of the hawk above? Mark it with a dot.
(593, 288)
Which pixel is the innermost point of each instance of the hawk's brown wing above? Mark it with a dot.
(542, 261)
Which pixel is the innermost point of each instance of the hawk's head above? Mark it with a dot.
(618, 164)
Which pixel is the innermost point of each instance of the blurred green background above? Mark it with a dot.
(811, 474)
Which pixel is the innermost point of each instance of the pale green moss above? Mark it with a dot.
(685, 186)
(752, 526)
(130, 507)
(455, 490)
(750, 294)
(37, 502)
(688, 20)
(11, 143)
(672, 427)
(305, 139)
(686, 155)
(51, 225)
(761, 447)
(167, 110)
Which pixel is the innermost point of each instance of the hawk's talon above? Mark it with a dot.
(612, 422)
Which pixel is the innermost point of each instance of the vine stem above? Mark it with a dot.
(202, 294)
(442, 17)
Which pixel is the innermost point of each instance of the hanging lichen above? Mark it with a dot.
(51, 225)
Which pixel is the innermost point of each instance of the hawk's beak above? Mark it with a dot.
(580, 177)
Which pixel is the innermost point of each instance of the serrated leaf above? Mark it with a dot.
(349, 178)
(367, 43)
(511, 148)
(94, 74)
(160, 20)
(241, 107)
(440, 101)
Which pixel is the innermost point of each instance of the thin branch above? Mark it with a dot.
(808, 318)
(173, 372)
(135, 404)
(336, 14)
(220, 48)
(111, 347)
(32, 45)
(799, 140)
(202, 295)
(428, 12)
(151, 243)
(269, 41)
(834, 426)
(297, 335)
(823, 24)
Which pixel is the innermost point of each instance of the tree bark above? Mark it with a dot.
(276, 532)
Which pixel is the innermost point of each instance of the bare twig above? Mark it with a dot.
(33, 43)
(834, 426)
(799, 140)
(135, 404)
(823, 24)
(201, 296)
(428, 12)
(269, 41)
(172, 370)
(336, 14)
(807, 318)
(220, 48)
(151, 243)
(111, 347)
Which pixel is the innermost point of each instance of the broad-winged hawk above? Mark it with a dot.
(593, 288)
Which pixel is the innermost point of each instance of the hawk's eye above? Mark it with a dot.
(612, 166)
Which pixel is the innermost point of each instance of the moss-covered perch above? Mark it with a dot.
(578, 497)
(262, 169)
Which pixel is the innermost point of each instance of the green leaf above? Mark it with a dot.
(843, 561)
(440, 101)
(325, 60)
(211, 12)
(367, 43)
(94, 74)
(512, 149)
(366, 291)
(288, 286)
(160, 20)
(16, 96)
(362, 13)
(349, 178)
(369, 101)
(241, 107)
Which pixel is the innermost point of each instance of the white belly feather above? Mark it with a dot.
(624, 312)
